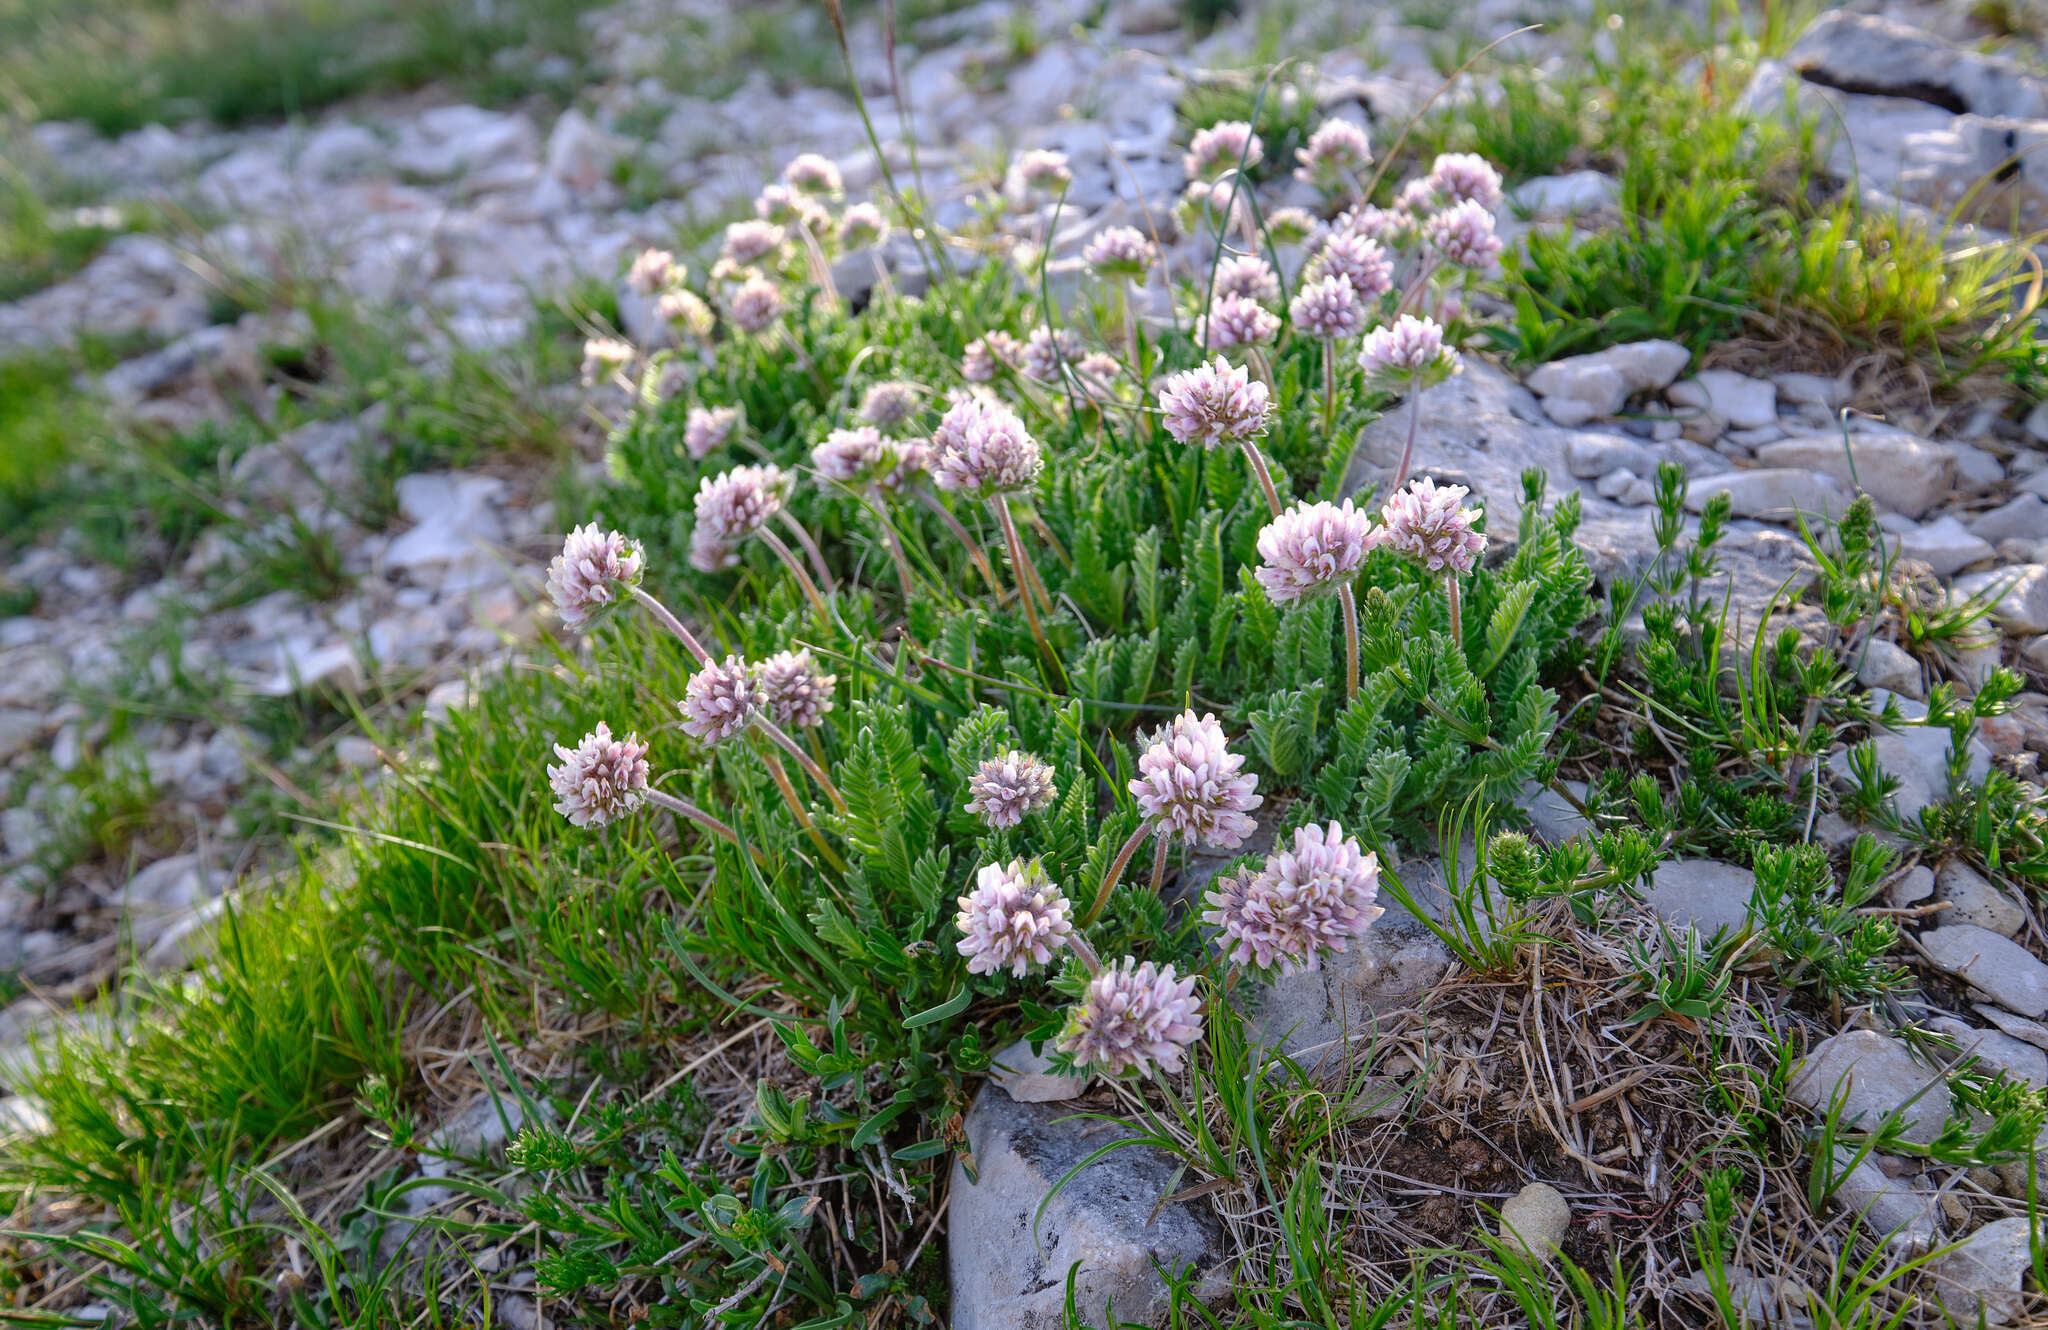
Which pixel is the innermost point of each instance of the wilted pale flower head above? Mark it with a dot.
(913, 459)
(1009, 785)
(1214, 404)
(813, 173)
(685, 311)
(1409, 352)
(664, 379)
(732, 505)
(1235, 321)
(1329, 309)
(1464, 177)
(1043, 170)
(1133, 1017)
(988, 353)
(779, 204)
(708, 554)
(756, 304)
(1291, 226)
(751, 241)
(1226, 145)
(1308, 899)
(708, 427)
(1391, 227)
(1013, 919)
(1099, 372)
(721, 698)
(1249, 276)
(1338, 148)
(1360, 260)
(1463, 234)
(1426, 523)
(603, 357)
(1312, 548)
(1046, 351)
(1190, 786)
(594, 571)
(653, 270)
(982, 448)
(793, 689)
(852, 456)
(1417, 197)
(601, 779)
(862, 225)
(890, 403)
(1220, 203)
(1120, 252)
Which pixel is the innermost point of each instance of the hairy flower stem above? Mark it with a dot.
(1001, 504)
(1457, 617)
(980, 560)
(1408, 448)
(669, 621)
(781, 739)
(1158, 863)
(1265, 477)
(796, 569)
(803, 815)
(891, 543)
(684, 809)
(1349, 600)
(1329, 385)
(1084, 954)
(810, 548)
(1116, 871)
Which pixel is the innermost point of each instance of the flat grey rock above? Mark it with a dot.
(1702, 894)
(1980, 1277)
(1873, 1076)
(1998, 967)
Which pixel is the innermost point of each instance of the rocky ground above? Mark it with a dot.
(465, 220)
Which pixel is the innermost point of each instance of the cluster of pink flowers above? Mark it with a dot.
(748, 242)
(1214, 404)
(1249, 277)
(1006, 787)
(1192, 788)
(1337, 149)
(708, 428)
(1227, 145)
(1463, 234)
(1359, 260)
(1045, 351)
(981, 448)
(722, 696)
(601, 779)
(754, 305)
(794, 690)
(1236, 320)
(1409, 352)
(604, 357)
(862, 226)
(1044, 171)
(989, 353)
(1464, 177)
(1427, 523)
(1013, 919)
(730, 507)
(1312, 897)
(1119, 252)
(1312, 548)
(1329, 309)
(1133, 1017)
(852, 456)
(594, 571)
(890, 404)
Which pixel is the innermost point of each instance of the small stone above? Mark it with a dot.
(2024, 518)
(1998, 967)
(1029, 1077)
(1736, 400)
(1535, 1219)
(1707, 896)
(1916, 884)
(1810, 390)
(1889, 665)
(1771, 493)
(1577, 389)
(1994, 1050)
(1945, 545)
(1980, 1277)
(1873, 1076)
(1909, 1220)
(1972, 900)
(2022, 607)
(1903, 472)
(1567, 196)
(1551, 815)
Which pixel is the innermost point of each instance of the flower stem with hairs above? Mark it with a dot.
(1349, 600)
(803, 815)
(796, 569)
(1264, 475)
(781, 739)
(668, 620)
(1001, 504)
(1116, 872)
(684, 809)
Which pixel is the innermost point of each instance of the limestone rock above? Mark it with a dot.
(2022, 606)
(1577, 389)
(1981, 1276)
(2000, 968)
(1774, 494)
(1311, 1015)
(1945, 545)
(1702, 894)
(1535, 1219)
(1889, 665)
(2024, 518)
(1903, 472)
(1009, 1264)
(1029, 1077)
(1874, 1076)
(1909, 1220)
(1736, 400)
(1973, 900)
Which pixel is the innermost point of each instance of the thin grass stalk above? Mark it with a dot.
(1116, 872)
(1001, 504)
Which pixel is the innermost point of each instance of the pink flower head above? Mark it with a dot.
(1409, 352)
(793, 689)
(982, 448)
(1099, 372)
(913, 459)
(1236, 321)
(732, 505)
(1329, 309)
(685, 311)
(1133, 1017)
(852, 456)
(708, 554)
(1006, 787)
(1360, 260)
(1120, 252)
(1043, 170)
(653, 270)
(1046, 351)
(1390, 227)
(813, 173)
(751, 241)
(601, 779)
(603, 357)
(1312, 898)
(1337, 149)
(721, 698)
(1221, 203)
(779, 204)
(988, 353)
(1312, 548)
(862, 226)
(1463, 234)
(1464, 177)
(1426, 523)
(1190, 785)
(707, 428)
(890, 403)
(1214, 404)
(594, 571)
(1013, 919)
(756, 304)
(1291, 226)
(1249, 276)
(1227, 145)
